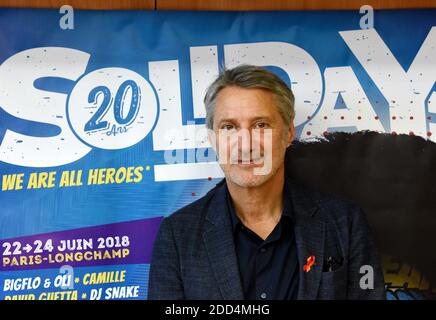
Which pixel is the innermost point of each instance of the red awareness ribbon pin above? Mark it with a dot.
(309, 264)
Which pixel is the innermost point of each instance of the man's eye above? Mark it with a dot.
(227, 127)
(261, 125)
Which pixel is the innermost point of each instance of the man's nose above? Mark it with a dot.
(244, 140)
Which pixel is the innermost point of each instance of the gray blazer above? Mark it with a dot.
(194, 255)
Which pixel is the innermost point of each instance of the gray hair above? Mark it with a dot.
(249, 76)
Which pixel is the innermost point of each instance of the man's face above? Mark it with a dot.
(250, 136)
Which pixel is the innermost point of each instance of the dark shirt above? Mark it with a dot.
(268, 268)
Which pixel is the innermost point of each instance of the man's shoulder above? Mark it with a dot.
(194, 211)
(331, 205)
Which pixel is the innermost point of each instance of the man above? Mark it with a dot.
(257, 234)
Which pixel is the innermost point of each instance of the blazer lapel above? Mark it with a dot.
(309, 236)
(220, 247)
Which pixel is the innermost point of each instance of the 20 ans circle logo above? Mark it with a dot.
(112, 108)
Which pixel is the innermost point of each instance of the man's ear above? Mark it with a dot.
(212, 138)
(291, 133)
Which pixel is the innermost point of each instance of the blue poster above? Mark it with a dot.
(102, 123)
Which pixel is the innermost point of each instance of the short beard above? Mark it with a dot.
(255, 180)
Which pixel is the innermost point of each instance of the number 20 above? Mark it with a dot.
(96, 123)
